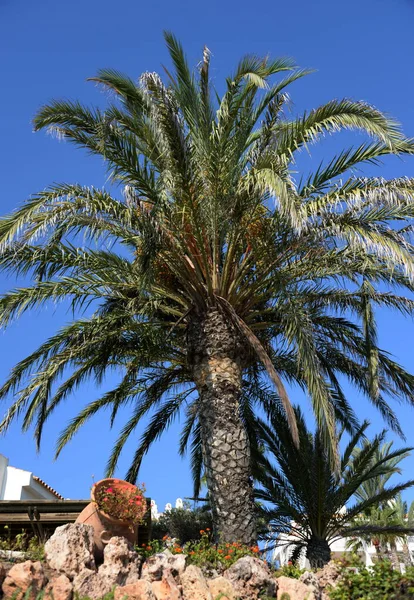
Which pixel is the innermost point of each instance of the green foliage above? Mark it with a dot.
(202, 552)
(22, 542)
(182, 524)
(380, 582)
(305, 495)
(208, 210)
(290, 570)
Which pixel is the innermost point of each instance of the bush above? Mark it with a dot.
(22, 542)
(202, 552)
(379, 582)
(182, 524)
(290, 570)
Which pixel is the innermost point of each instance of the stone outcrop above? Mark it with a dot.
(251, 578)
(140, 590)
(71, 572)
(70, 549)
(59, 588)
(222, 588)
(294, 589)
(167, 588)
(156, 565)
(195, 585)
(24, 580)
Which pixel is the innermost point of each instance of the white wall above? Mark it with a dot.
(17, 484)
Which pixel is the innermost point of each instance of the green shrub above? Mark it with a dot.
(290, 570)
(182, 524)
(379, 582)
(202, 552)
(22, 542)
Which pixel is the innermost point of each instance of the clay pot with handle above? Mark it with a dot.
(105, 527)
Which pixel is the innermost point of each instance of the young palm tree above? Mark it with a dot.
(214, 267)
(307, 501)
(395, 512)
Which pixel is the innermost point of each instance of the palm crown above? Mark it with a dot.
(215, 267)
(307, 504)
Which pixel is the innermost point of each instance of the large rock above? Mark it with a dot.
(89, 583)
(251, 578)
(293, 589)
(222, 588)
(121, 565)
(194, 584)
(59, 588)
(70, 549)
(328, 577)
(140, 590)
(167, 588)
(24, 580)
(155, 566)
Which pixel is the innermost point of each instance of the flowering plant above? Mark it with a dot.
(123, 503)
(203, 553)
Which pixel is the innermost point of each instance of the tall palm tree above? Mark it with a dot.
(306, 502)
(214, 266)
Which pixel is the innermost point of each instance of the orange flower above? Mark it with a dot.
(220, 551)
(165, 538)
(255, 549)
(202, 531)
(192, 553)
(207, 528)
(178, 549)
(148, 548)
(227, 557)
(143, 545)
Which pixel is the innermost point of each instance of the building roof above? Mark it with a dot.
(45, 485)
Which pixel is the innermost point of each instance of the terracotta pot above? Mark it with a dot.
(105, 527)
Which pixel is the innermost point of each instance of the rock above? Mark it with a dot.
(60, 588)
(121, 565)
(89, 583)
(21, 577)
(177, 563)
(222, 588)
(70, 549)
(293, 589)
(167, 588)
(2, 573)
(251, 578)
(328, 576)
(154, 566)
(140, 590)
(194, 584)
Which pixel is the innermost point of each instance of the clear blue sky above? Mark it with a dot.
(360, 48)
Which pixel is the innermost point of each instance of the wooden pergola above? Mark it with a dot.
(41, 517)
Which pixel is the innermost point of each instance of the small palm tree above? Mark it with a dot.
(306, 501)
(395, 512)
(212, 268)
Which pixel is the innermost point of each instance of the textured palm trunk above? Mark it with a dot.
(216, 354)
(406, 555)
(318, 553)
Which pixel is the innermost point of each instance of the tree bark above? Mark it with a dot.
(216, 352)
(318, 552)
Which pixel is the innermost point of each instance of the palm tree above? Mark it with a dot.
(213, 268)
(304, 499)
(395, 512)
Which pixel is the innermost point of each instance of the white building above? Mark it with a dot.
(283, 551)
(17, 484)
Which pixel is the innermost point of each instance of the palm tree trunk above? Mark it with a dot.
(318, 552)
(216, 353)
(406, 554)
